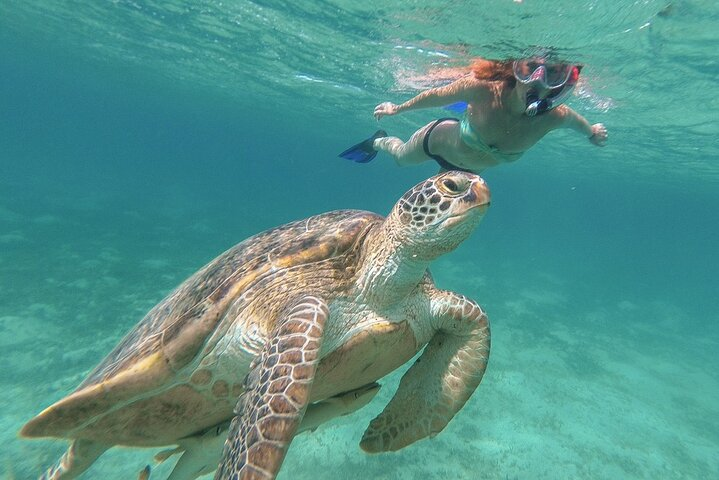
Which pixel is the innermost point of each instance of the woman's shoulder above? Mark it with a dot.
(477, 85)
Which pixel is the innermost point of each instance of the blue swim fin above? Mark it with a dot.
(457, 107)
(364, 151)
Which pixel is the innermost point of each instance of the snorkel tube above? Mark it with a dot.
(537, 106)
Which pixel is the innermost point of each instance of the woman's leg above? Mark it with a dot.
(410, 152)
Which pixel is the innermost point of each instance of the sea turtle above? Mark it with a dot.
(288, 321)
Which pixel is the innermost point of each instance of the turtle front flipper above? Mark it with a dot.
(442, 379)
(277, 392)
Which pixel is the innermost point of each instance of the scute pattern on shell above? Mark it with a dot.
(198, 303)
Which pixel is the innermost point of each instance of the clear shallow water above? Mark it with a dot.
(139, 140)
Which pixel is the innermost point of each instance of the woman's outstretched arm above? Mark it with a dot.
(463, 89)
(597, 133)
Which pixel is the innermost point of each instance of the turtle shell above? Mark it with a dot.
(173, 333)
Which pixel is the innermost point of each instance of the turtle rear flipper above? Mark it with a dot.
(277, 392)
(442, 379)
(78, 458)
(199, 454)
(338, 406)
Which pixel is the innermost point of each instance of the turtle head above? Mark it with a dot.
(438, 214)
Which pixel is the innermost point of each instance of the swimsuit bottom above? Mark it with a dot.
(438, 158)
(469, 136)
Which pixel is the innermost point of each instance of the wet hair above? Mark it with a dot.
(495, 71)
(499, 70)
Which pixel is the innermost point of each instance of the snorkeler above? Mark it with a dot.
(510, 106)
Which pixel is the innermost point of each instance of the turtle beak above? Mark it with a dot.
(474, 203)
(478, 196)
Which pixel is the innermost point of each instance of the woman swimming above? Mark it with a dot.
(511, 105)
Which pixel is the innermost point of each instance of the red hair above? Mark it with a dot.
(495, 71)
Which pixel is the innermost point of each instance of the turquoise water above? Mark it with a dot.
(138, 140)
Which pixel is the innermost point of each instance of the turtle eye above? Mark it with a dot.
(453, 186)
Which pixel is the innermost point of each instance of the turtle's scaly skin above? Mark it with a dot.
(181, 370)
(278, 397)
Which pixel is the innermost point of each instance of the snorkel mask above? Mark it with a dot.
(558, 78)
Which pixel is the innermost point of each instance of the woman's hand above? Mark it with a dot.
(599, 134)
(385, 108)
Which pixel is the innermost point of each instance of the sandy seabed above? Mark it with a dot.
(576, 387)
